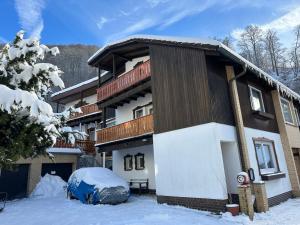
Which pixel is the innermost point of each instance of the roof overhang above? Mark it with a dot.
(132, 43)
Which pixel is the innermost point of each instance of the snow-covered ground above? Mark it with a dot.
(138, 210)
(49, 206)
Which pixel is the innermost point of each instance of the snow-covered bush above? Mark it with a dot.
(27, 123)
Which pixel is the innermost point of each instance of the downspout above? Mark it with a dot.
(239, 124)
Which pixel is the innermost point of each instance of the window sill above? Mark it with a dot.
(263, 115)
(272, 176)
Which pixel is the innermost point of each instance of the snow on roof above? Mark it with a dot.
(75, 86)
(64, 150)
(221, 47)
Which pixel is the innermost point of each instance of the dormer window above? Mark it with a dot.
(256, 98)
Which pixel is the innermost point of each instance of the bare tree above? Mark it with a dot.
(274, 50)
(251, 44)
(294, 55)
(227, 40)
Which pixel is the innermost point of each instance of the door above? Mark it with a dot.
(14, 182)
(64, 170)
(232, 166)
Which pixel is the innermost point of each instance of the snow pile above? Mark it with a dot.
(49, 186)
(100, 177)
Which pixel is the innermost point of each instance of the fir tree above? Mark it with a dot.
(28, 125)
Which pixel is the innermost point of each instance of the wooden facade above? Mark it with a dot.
(250, 118)
(189, 87)
(179, 87)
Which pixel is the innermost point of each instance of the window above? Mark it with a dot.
(138, 113)
(256, 99)
(266, 157)
(143, 111)
(128, 163)
(286, 110)
(139, 161)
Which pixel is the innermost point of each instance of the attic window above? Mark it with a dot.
(256, 99)
(286, 110)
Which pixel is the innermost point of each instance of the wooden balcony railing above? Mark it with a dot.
(124, 82)
(86, 110)
(87, 146)
(133, 128)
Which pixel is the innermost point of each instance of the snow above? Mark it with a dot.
(39, 111)
(77, 85)
(100, 177)
(141, 210)
(221, 47)
(64, 150)
(49, 186)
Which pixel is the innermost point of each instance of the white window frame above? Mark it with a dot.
(272, 155)
(251, 88)
(145, 109)
(138, 110)
(290, 109)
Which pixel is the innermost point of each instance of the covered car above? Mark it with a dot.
(97, 185)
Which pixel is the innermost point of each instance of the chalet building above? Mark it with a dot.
(190, 115)
(84, 96)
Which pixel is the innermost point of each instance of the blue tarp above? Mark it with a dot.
(82, 191)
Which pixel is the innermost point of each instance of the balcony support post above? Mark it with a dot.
(103, 159)
(104, 117)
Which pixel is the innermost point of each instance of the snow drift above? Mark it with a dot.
(49, 186)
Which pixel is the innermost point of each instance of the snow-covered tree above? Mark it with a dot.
(28, 125)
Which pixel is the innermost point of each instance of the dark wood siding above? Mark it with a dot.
(220, 103)
(250, 120)
(179, 87)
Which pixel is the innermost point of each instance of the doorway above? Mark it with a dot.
(232, 166)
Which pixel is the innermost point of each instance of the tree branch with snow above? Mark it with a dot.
(28, 125)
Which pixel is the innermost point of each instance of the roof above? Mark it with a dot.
(202, 42)
(64, 150)
(92, 80)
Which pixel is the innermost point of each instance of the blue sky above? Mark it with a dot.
(100, 21)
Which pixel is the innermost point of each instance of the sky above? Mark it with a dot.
(98, 22)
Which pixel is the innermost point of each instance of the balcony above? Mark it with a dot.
(130, 129)
(86, 145)
(87, 110)
(134, 77)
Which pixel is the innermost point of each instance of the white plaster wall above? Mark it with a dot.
(274, 187)
(147, 173)
(130, 64)
(125, 113)
(188, 162)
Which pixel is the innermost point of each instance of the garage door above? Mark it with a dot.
(64, 170)
(15, 182)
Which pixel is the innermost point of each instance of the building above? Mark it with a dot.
(84, 96)
(190, 114)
